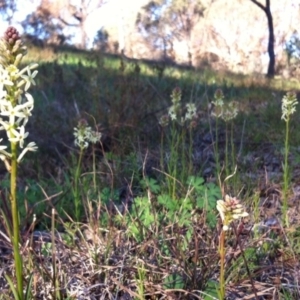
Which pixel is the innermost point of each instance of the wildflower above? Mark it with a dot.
(176, 96)
(173, 112)
(164, 120)
(288, 106)
(5, 78)
(95, 137)
(19, 136)
(84, 134)
(230, 210)
(217, 105)
(218, 94)
(175, 108)
(15, 108)
(30, 147)
(191, 111)
(29, 78)
(230, 111)
(12, 111)
(219, 97)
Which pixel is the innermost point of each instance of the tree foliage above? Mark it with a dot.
(51, 18)
(165, 21)
(7, 9)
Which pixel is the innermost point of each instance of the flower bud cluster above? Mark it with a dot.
(288, 105)
(230, 210)
(12, 49)
(176, 112)
(84, 135)
(16, 104)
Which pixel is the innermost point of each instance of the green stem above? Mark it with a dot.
(286, 174)
(76, 189)
(217, 149)
(15, 219)
(190, 157)
(232, 146)
(226, 152)
(222, 265)
(94, 169)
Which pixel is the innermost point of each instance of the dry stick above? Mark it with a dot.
(245, 261)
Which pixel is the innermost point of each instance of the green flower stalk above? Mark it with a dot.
(180, 118)
(227, 112)
(229, 209)
(288, 107)
(16, 105)
(230, 112)
(83, 136)
(217, 113)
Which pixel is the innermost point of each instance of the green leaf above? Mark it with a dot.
(28, 288)
(12, 288)
(196, 183)
(174, 281)
(152, 184)
(211, 291)
(167, 202)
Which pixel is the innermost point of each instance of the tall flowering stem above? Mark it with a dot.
(288, 107)
(229, 209)
(217, 113)
(182, 119)
(83, 136)
(16, 105)
(226, 111)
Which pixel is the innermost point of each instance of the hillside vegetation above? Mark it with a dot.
(135, 215)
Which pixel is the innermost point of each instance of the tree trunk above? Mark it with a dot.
(267, 10)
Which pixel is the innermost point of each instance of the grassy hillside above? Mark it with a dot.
(137, 210)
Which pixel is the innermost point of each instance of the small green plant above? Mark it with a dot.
(227, 112)
(16, 105)
(182, 120)
(229, 209)
(205, 195)
(288, 107)
(217, 113)
(83, 136)
(141, 278)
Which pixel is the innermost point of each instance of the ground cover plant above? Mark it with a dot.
(150, 181)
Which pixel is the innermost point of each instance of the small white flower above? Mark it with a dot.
(4, 78)
(191, 111)
(172, 113)
(2, 147)
(19, 136)
(95, 137)
(12, 112)
(30, 147)
(7, 127)
(29, 78)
